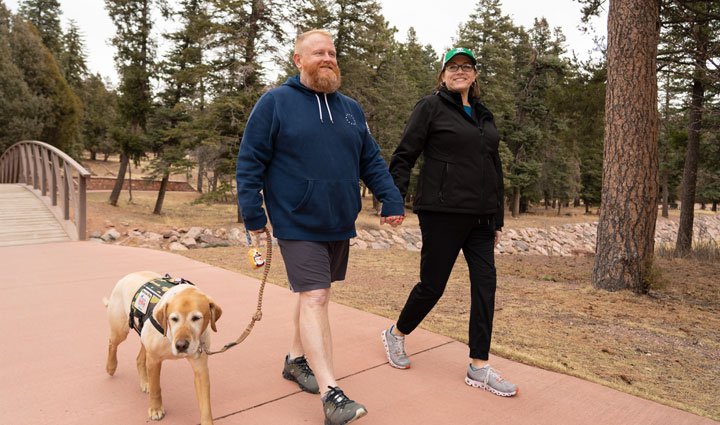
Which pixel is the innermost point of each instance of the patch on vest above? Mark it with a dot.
(146, 298)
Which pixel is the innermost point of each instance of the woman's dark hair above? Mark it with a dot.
(474, 89)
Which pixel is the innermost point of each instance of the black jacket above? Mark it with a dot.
(461, 171)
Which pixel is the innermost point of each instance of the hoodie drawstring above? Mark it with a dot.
(319, 108)
(326, 105)
(328, 108)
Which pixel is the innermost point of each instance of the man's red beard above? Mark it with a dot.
(322, 81)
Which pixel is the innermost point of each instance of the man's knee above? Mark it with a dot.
(315, 298)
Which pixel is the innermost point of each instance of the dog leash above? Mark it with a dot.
(258, 313)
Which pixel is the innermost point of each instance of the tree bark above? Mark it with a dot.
(516, 202)
(665, 194)
(115, 194)
(626, 228)
(161, 193)
(683, 245)
(201, 170)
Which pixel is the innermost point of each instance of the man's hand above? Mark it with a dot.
(393, 220)
(257, 232)
(498, 235)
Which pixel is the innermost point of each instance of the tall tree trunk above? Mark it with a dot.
(201, 170)
(115, 194)
(516, 202)
(161, 193)
(665, 194)
(626, 228)
(683, 245)
(130, 183)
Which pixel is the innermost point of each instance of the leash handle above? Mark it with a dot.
(258, 313)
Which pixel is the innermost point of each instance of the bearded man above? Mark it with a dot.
(306, 147)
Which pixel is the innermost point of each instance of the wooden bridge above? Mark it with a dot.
(42, 195)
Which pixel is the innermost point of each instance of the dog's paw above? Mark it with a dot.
(156, 413)
(110, 369)
(144, 386)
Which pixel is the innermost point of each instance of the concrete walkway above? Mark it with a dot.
(55, 345)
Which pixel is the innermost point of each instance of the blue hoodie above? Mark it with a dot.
(307, 152)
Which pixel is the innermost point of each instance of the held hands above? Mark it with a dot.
(393, 220)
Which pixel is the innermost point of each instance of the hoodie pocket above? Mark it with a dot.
(329, 205)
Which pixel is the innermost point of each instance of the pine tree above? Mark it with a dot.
(73, 59)
(420, 63)
(45, 15)
(98, 115)
(22, 112)
(135, 59)
(690, 40)
(59, 117)
(626, 228)
(185, 73)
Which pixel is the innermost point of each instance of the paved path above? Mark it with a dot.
(54, 346)
(25, 219)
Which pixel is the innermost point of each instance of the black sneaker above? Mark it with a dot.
(340, 410)
(298, 370)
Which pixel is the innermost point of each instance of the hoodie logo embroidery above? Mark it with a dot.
(350, 119)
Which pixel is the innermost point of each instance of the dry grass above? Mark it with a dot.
(664, 346)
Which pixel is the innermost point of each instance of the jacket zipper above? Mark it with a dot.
(442, 182)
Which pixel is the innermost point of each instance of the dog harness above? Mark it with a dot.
(147, 297)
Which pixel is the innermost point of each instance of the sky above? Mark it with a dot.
(436, 23)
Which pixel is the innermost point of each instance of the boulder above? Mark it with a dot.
(188, 242)
(176, 246)
(110, 235)
(194, 232)
(211, 240)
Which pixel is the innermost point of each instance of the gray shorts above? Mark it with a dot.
(314, 265)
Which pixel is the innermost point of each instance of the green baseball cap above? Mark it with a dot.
(458, 51)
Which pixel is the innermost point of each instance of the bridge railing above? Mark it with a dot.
(54, 177)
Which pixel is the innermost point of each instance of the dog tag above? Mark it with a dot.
(142, 301)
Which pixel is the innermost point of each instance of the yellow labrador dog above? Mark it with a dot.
(176, 324)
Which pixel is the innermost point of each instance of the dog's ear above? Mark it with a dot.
(215, 313)
(160, 315)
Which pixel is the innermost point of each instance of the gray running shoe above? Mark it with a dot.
(395, 349)
(340, 410)
(489, 379)
(299, 371)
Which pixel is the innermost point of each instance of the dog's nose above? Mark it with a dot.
(182, 345)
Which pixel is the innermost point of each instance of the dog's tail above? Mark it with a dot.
(106, 301)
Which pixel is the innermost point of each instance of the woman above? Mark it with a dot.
(459, 203)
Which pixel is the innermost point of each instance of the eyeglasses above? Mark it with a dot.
(453, 67)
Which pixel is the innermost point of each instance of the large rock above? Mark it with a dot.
(194, 232)
(176, 246)
(110, 235)
(188, 242)
(211, 240)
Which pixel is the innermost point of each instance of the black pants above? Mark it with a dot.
(443, 235)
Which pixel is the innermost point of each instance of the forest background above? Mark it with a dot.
(188, 107)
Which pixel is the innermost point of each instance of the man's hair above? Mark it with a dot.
(306, 34)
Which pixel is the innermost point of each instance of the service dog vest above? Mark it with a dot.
(146, 298)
